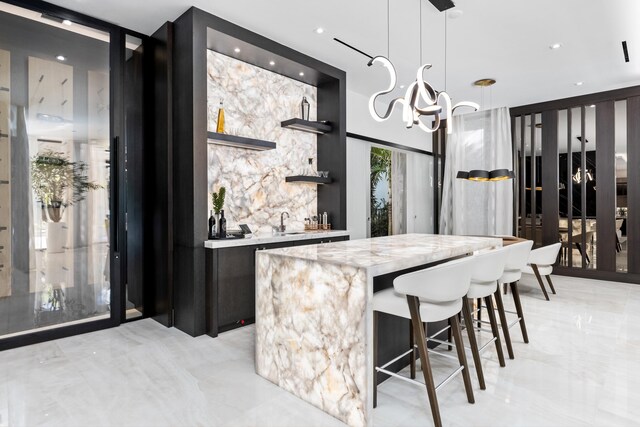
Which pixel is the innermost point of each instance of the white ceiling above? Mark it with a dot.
(507, 40)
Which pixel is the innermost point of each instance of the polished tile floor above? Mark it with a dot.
(582, 368)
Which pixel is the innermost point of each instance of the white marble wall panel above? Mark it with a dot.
(256, 101)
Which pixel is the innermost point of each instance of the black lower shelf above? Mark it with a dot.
(308, 179)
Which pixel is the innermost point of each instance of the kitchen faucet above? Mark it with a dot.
(282, 226)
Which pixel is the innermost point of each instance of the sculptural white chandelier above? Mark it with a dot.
(435, 103)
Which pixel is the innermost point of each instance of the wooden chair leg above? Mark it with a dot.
(505, 288)
(412, 357)
(462, 358)
(503, 322)
(421, 340)
(494, 329)
(516, 300)
(551, 284)
(479, 305)
(540, 282)
(449, 337)
(375, 358)
(466, 312)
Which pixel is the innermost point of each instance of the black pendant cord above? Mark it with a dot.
(353, 48)
(388, 31)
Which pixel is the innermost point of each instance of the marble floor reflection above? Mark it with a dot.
(581, 368)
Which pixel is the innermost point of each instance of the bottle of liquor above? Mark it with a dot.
(212, 227)
(222, 227)
(220, 126)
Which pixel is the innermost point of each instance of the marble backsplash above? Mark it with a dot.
(255, 102)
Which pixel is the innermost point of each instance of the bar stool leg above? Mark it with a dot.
(421, 340)
(375, 358)
(466, 311)
(551, 284)
(479, 304)
(540, 282)
(503, 322)
(457, 336)
(516, 300)
(494, 329)
(412, 357)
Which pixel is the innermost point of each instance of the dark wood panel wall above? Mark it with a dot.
(606, 186)
(633, 178)
(181, 162)
(604, 266)
(550, 179)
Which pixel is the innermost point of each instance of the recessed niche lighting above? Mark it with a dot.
(592, 106)
(555, 46)
(301, 74)
(66, 22)
(272, 63)
(579, 83)
(319, 30)
(61, 58)
(236, 50)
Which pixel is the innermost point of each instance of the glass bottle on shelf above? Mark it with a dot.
(310, 170)
(212, 226)
(222, 226)
(304, 107)
(220, 125)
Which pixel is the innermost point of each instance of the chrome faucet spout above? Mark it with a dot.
(282, 226)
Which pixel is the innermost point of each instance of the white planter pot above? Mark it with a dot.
(56, 237)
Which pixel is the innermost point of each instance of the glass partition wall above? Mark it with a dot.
(55, 170)
(574, 184)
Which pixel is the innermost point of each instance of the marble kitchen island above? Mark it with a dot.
(314, 326)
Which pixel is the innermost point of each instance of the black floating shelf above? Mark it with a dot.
(308, 179)
(306, 126)
(239, 142)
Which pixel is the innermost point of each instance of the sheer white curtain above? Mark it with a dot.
(480, 140)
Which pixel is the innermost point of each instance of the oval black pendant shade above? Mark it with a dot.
(479, 175)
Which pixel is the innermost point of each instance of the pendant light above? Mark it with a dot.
(478, 175)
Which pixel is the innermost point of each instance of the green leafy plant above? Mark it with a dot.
(217, 199)
(58, 182)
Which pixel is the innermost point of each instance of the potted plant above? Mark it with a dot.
(58, 183)
(217, 201)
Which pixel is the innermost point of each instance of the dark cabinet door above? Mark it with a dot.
(236, 285)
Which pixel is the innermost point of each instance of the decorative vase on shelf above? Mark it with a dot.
(220, 125)
(212, 227)
(216, 229)
(304, 108)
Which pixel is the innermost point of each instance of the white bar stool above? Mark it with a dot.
(541, 262)
(516, 259)
(488, 269)
(430, 295)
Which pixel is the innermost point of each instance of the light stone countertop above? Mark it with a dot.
(267, 239)
(383, 255)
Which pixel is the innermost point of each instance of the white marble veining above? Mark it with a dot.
(256, 101)
(391, 253)
(313, 314)
(259, 239)
(580, 368)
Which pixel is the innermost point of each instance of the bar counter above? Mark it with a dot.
(313, 314)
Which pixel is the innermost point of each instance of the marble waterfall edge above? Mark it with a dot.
(318, 356)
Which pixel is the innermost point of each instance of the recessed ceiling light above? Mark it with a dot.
(66, 22)
(484, 82)
(555, 46)
(61, 58)
(455, 14)
(236, 50)
(319, 30)
(401, 86)
(272, 63)
(301, 74)
(579, 83)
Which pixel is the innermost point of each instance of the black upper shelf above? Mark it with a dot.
(239, 141)
(308, 179)
(307, 126)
